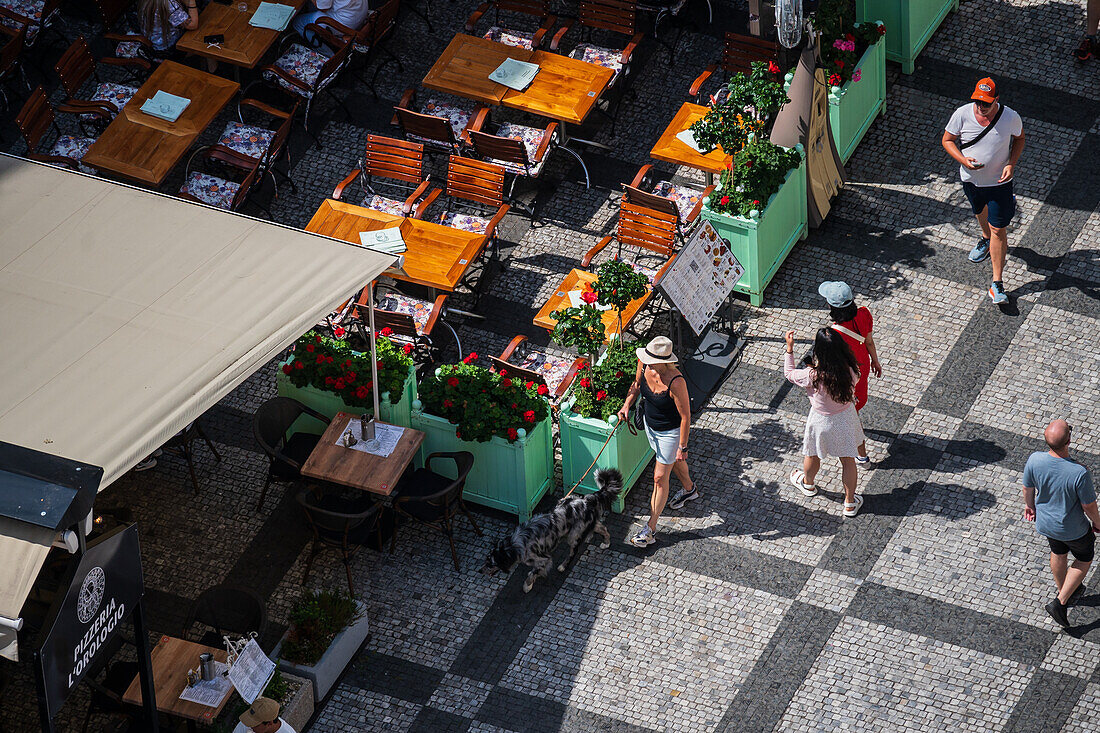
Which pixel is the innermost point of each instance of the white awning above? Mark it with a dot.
(126, 314)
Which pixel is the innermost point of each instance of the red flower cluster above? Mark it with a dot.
(543, 389)
(724, 200)
(512, 434)
(452, 382)
(834, 79)
(585, 382)
(408, 349)
(387, 332)
(588, 297)
(338, 332)
(601, 396)
(773, 67)
(529, 416)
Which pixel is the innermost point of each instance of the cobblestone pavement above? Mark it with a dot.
(758, 609)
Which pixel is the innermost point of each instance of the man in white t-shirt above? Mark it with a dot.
(263, 717)
(986, 138)
(350, 13)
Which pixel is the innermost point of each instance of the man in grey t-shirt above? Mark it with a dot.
(1060, 499)
(986, 139)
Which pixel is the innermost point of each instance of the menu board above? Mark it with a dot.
(701, 277)
(251, 672)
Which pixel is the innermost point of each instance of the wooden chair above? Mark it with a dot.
(262, 143)
(522, 362)
(77, 65)
(440, 125)
(738, 53)
(648, 234)
(433, 499)
(37, 118)
(530, 40)
(618, 18)
(410, 320)
(220, 191)
(10, 68)
(36, 15)
(685, 202)
(396, 164)
(367, 42)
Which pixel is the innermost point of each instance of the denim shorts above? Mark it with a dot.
(1000, 200)
(664, 443)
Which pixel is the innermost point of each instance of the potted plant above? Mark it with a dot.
(759, 207)
(580, 327)
(618, 284)
(747, 109)
(854, 57)
(588, 417)
(501, 421)
(326, 630)
(294, 695)
(325, 373)
(909, 24)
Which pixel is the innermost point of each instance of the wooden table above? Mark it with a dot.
(333, 462)
(172, 658)
(671, 150)
(577, 280)
(144, 148)
(464, 66)
(437, 256)
(565, 89)
(244, 44)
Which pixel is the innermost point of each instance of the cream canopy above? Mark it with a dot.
(126, 314)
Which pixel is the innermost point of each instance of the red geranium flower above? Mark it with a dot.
(773, 67)
(882, 30)
(724, 200)
(601, 396)
(299, 365)
(350, 376)
(452, 382)
(328, 359)
(512, 434)
(515, 406)
(362, 393)
(330, 380)
(849, 37)
(320, 359)
(619, 373)
(387, 332)
(338, 332)
(588, 297)
(834, 80)
(408, 349)
(586, 383)
(840, 63)
(347, 363)
(448, 403)
(529, 385)
(529, 416)
(506, 383)
(339, 384)
(470, 358)
(756, 202)
(504, 372)
(317, 338)
(543, 389)
(287, 368)
(310, 348)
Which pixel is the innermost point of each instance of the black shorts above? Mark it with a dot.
(1000, 200)
(1082, 547)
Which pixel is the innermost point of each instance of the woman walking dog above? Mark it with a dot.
(666, 409)
(832, 427)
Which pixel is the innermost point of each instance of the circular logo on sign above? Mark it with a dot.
(91, 595)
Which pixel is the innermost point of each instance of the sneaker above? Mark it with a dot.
(644, 538)
(863, 460)
(980, 251)
(158, 453)
(146, 464)
(850, 510)
(997, 293)
(1090, 47)
(797, 477)
(1058, 612)
(683, 497)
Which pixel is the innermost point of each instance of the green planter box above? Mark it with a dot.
(329, 403)
(581, 440)
(909, 25)
(508, 476)
(854, 106)
(762, 243)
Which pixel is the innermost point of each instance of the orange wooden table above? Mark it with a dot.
(564, 89)
(671, 150)
(244, 44)
(339, 464)
(578, 280)
(464, 66)
(144, 148)
(437, 256)
(172, 658)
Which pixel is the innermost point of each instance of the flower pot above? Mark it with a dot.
(299, 705)
(909, 25)
(581, 440)
(329, 403)
(324, 673)
(761, 243)
(508, 476)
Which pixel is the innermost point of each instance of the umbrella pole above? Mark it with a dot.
(373, 347)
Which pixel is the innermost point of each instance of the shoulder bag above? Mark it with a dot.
(983, 133)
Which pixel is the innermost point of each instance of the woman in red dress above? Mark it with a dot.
(854, 324)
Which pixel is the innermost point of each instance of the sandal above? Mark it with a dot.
(850, 510)
(797, 477)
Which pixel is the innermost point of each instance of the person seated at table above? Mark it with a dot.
(350, 13)
(164, 21)
(263, 717)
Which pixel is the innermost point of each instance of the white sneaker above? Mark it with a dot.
(146, 464)
(644, 537)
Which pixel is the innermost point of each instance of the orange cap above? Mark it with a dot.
(985, 90)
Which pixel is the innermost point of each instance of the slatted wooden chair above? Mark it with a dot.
(407, 320)
(77, 65)
(681, 200)
(10, 68)
(221, 191)
(392, 175)
(520, 361)
(440, 125)
(37, 118)
(530, 40)
(615, 17)
(36, 15)
(738, 53)
(649, 236)
(266, 142)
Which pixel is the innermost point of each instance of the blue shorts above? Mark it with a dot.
(1000, 200)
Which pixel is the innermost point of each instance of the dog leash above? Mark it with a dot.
(593, 463)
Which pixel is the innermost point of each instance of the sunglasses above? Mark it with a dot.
(983, 105)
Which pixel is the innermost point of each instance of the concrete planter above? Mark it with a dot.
(761, 243)
(909, 25)
(329, 403)
(331, 665)
(581, 439)
(512, 477)
(299, 705)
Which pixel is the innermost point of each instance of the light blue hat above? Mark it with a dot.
(838, 293)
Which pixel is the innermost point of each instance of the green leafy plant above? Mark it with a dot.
(757, 172)
(315, 620)
(330, 364)
(483, 404)
(600, 391)
(581, 326)
(843, 41)
(617, 284)
(747, 110)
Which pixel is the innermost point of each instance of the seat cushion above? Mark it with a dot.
(115, 94)
(71, 146)
(128, 50)
(457, 116)
(605, 57)
(518, 39)
(465, 222)
(28, 9)
(649, 272)
(304, 64)
(530, 137)
(381, 203)
(420, 310)
(685, 197)
(211, 189)
(248, 140)
(552, 368)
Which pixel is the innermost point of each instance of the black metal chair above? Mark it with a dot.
(339, 525)
(108, 684)
(286, 455)
(434, 500)
(227, 611)
(182, 443)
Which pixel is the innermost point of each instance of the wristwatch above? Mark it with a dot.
(683, 449)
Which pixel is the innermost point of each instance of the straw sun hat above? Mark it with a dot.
(657, 351)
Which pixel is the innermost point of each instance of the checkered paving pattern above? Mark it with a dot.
(759, 609)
